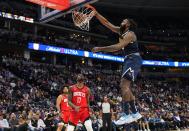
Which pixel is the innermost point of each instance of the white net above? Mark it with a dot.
(82, 16)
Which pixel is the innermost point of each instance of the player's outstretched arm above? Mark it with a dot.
(106, 23)
(112, 48)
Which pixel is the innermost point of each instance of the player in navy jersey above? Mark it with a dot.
(131, 66)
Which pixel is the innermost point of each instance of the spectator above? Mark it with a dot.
(95, 124)
(100, 122)
(177, 120)
(4, 125)
(36, 124)
(49, 122)
(13, 121)
(144, 123)
(33, 89)
(23, 123)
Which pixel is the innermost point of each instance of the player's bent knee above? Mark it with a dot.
(88, 125)
(70, 128)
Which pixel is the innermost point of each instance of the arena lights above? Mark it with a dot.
(54, 49)
(16, 17)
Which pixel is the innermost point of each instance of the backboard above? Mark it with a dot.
(47, 14)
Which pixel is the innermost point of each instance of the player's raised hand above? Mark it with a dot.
(92, 8)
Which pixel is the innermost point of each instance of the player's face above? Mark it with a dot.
(125, 23)
(80, 78)
(65, 90)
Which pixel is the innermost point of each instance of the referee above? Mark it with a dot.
(106, 115)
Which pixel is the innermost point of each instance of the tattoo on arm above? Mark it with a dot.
(112, 48)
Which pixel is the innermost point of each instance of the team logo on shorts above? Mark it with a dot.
(130, 72)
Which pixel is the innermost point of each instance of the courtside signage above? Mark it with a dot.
(54, 49)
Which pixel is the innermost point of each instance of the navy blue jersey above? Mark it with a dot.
(132, 47)
(132, 62)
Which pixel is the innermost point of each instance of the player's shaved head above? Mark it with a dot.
(80, 78)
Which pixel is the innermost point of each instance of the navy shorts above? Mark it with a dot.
(131, 66)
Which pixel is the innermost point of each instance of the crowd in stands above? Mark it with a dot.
(28, 91)
(84, 42)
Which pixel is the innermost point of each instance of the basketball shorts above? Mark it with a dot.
(65, 116)
(82, 116)
(131, 66)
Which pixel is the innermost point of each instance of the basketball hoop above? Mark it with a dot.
(82, 16)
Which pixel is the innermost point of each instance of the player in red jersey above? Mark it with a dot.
(79, 101)
(63, 108)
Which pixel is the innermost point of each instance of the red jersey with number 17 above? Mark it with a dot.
(64, 103)
(80, 95)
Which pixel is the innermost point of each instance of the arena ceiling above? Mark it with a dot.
(148, 7)
(175, 4)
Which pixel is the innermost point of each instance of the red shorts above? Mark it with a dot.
(65, 116)
(82, 115)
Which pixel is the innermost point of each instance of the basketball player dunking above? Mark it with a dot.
(63, 108)
(131, 66)
(79, 101)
